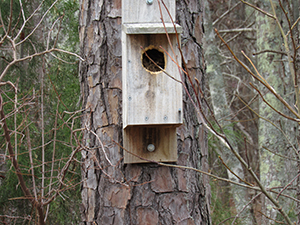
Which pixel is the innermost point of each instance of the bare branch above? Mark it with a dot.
(224, 14)
(35, 55)
(36, 26)
(258, 9)
(282, 156)
(238, 30)
(234, 172)
(287, 185)
(237, 215)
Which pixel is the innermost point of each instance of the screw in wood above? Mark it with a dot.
(151, 147)
(149, 2)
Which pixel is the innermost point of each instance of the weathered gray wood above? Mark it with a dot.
(150, 28)
(150, 98)
(138, 11)
(135, 193)
(137, 139)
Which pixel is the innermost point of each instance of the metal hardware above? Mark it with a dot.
(149, 2)
(151, 147)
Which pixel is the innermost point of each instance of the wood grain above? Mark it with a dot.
(137, 138)
(150, 98)
(138, 11)
(150, 28)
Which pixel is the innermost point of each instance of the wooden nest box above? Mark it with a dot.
(152, 92)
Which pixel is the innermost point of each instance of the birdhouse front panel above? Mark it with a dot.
(152, 92)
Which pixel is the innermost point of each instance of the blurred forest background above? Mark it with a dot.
(252, 74)
(41, 96)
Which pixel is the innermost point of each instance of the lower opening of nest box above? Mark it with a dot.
(150, 143)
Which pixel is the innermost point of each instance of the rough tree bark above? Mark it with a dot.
(229, 93)
(247, 124)
(295, 14)
(220, 105)
(274, 68)
(139, 193)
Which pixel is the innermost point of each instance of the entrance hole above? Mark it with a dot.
(157, 56)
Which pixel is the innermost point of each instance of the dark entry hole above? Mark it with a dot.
(157, 56)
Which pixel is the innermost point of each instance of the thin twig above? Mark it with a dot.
(238, 214)
(225, 13)
(258, 9)
(31, 163)
(15, 164)
(290, 60)
(162, 69)
(237, 30)
(269, 218)
(293, 26)
(275, 110)
(282, 156)
(36, 26)
(262, 187)
(35, 55)
(188, 168)
(290, 183)
(269, 51)
(263, 118)
(53, 157)
(43, 127)
(234, 172)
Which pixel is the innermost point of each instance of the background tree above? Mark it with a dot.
(35, 93)
(227, 82)
(262, 118)
(114, 193)
(38, 97)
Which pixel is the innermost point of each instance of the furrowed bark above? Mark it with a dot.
(114, 193)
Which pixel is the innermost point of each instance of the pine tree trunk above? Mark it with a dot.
(114, 193)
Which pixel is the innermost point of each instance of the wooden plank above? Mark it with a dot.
(150, 28)
(125, 96)
(137, 139)
(150, 98)
(138, 11)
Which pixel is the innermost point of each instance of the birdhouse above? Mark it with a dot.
(152, 89)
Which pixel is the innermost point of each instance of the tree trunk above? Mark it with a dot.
(221, 109)
(296, 8)
(274, 68)
(228, 84)
(247, 124)
(114, 193)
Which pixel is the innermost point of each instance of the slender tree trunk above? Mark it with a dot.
(268, 173)
(114, 193)
(296, 8)
(228, 84)
(277, 136)
(221, 108)
(247, 124)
